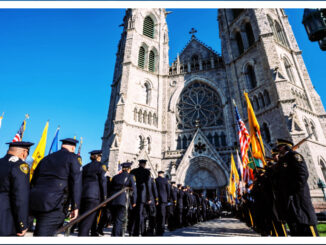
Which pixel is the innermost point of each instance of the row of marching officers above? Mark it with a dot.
(279, 195)
(152, 204)
(61, 187)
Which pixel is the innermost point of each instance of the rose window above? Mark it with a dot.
(199, 102)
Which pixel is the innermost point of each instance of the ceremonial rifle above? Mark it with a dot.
(296, 146)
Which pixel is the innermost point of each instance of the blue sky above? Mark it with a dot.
(57, 65)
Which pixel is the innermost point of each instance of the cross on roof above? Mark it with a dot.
(193, 31)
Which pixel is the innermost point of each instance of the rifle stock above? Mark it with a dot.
(297, 145)
(83, 216)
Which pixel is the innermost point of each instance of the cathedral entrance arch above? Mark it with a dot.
(203, 174)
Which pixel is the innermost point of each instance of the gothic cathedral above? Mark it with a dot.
(180, 117)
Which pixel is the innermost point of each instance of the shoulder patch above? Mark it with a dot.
(79, 160)
(24, 168)
(104, 167)
(13, 159)
(298, 157)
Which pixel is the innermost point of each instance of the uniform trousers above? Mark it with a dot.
(297, 229)
(161, 215)
(86, 224)
(138, 219)
(118, 219)
(47, 223)
(179, 216)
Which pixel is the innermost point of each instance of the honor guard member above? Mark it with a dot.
(151, 211)
(172, 221)
(301, 216)
(119, 204)
(180, 205)
(144, 194)
(163, 190)
(14, 190)
(57, 179)
(94, 191)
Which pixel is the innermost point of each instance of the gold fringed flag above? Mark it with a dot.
(39, 151)
(257, 146)
(234, 178)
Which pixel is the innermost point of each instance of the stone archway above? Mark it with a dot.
(203, 173)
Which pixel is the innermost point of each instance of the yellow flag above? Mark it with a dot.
(39, 151)
(234, 178)
(257, 146)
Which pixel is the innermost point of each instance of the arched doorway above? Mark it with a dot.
(203, 175)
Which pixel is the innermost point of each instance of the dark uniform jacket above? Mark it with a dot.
(163, 189)
(56, 179)
(143, 184)
(187, 200)
(118, 182)
(94, 181)
(300, 207)
(154, 197)
(180, 198)
(174, 195)
(14, 195)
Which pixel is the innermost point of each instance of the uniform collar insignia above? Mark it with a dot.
(13, 159)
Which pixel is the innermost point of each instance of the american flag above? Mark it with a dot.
(19, 135)
(244, 138)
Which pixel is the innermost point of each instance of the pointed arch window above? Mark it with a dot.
(141, 57)
(313, 130)
(265, 133)
(141, 142)
(148, 27)
(135, 114)
(145, 117)
(288, 70)
(251, 77)
(250, 34)
(280, 34)
(271, 24)
(267, 98)
(148, 91)
(306, 125)
(261, 100)
(216, 140)
(239, 42)
(151, 61)
(140, 116)
(184, 142)
(150, 118)
(223, 139)
(256, 103)
(179, 143)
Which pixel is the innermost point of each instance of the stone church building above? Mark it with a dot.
(181, 118)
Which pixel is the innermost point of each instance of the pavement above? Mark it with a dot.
(221, 227)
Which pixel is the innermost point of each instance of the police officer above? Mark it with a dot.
(118, 205)
(14, 190)
(163, 190)
(144, 193)
(301, 216)
(151, 211)
(94, 191)
(179, 211)
(57, 179)
(172, 221)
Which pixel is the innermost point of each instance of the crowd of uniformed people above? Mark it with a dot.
(62, 188)
(278, 202)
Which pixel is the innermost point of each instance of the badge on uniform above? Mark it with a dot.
(298, 157)
(80, 161)
(24, 168)
(104, 167)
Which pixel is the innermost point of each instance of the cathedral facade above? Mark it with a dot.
(181, 118)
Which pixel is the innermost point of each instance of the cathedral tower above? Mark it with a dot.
(134, 122)
(262, 57)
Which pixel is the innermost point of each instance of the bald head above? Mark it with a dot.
(19, 152)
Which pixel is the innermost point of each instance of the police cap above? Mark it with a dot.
(142, 161)
(126, 164)
(280, 142)
(160, 172)
(179, 185)
(96, 152)
(69, 141)
(172, 182)
(20, 144)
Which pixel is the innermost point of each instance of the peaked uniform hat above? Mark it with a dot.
(280, 142)
(95, 152)
(126, 164)
(20, 144)
(69, 141)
